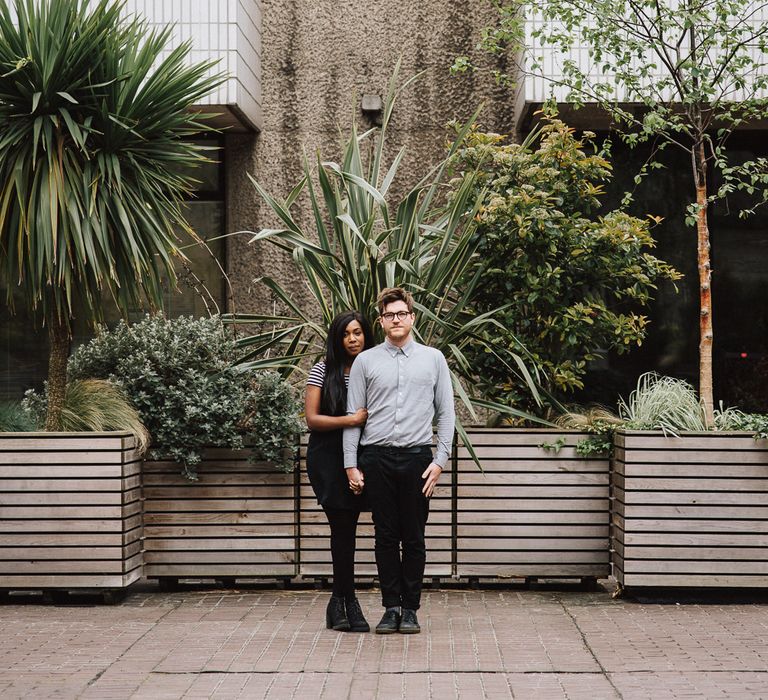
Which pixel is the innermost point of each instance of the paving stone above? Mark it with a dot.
(489, 643)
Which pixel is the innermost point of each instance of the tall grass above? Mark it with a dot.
(589, 418)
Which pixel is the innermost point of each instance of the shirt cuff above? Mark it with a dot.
(441, 459)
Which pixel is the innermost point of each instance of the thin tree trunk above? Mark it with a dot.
(59, 343)
(705, 289)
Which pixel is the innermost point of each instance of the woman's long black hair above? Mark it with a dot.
(333, 401)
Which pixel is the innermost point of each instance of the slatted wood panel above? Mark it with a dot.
(315, 548)
(690, 511)
(531, 512)
(238, 520)
(70, 510)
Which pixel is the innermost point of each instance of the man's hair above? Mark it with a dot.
(390, 294)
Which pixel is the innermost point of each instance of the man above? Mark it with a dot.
(404, 386)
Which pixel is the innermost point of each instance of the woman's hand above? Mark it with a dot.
(358, 417)
(320, 422)
(356, 479)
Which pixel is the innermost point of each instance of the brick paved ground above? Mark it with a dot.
(493, 643)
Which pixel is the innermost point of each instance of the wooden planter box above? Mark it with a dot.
(532, 512)
(70, 511)
(237, 521)
(315, 546)
(691, 510)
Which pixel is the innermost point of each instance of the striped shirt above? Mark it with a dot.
(317, 376)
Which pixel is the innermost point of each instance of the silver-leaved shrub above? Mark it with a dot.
(180, 375)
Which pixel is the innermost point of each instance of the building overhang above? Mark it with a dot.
(591, 117)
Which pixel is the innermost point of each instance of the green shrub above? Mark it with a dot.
(573, 282)
(91, 405)
(179, 374)
(271, 425)
(734, 419)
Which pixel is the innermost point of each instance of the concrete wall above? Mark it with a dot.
(316, 55)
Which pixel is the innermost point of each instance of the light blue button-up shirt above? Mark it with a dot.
(404, 390)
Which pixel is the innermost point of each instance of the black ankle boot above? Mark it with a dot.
(336, 615)
(357, 621)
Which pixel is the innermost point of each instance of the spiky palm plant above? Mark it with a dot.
(363, 240)
(94, 165)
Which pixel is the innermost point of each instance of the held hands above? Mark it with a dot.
(431, 475)
(354, 475)
(357, 418)
(356, 478)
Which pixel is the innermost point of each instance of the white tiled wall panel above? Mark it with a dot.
(228, 31)
(225, 30)
(537, 88)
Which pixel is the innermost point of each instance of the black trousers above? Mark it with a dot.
(343, 530)
(394, 483)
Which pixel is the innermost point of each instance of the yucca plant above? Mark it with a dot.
(94, 164)
(93, 405)
(363, 240)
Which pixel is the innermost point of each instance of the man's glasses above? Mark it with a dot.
(401, 316)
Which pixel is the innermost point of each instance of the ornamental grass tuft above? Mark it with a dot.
(663, 403)
(92, 405)
(14, 419)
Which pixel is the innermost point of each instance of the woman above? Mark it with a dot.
(338, 492)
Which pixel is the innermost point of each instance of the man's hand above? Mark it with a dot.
(356, 480)
(432, 474)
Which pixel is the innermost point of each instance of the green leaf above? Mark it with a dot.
(67, 97)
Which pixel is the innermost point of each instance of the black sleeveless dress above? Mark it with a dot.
(325, 463)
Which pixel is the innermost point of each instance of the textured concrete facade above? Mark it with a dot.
(316, 56)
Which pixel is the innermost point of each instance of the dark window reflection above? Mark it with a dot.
(740, 286)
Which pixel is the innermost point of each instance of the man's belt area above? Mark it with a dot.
(392, 450)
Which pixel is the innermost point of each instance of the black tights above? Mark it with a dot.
(343, 529)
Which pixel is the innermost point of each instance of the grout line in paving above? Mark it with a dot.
(588, 647)
(453, 672)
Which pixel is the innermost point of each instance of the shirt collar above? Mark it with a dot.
(407, 349)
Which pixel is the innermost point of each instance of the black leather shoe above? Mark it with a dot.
(336, 615)
(409, 624)
(390, 623)
(357, 621)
